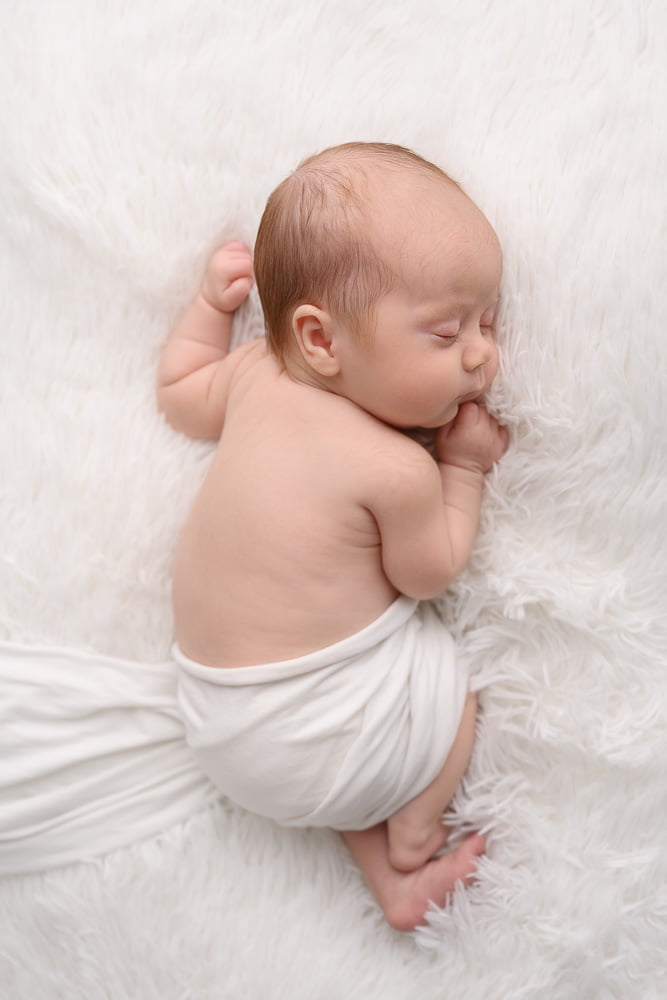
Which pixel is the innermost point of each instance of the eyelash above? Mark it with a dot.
(448, 338)
(451, 338)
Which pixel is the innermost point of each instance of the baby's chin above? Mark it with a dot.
(448, 416)
(444, 418)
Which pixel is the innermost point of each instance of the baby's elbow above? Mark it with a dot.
(167, 404)
(424, 580)
(182, 416)
(426, 589)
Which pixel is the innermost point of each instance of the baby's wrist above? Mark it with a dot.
(204, 300)
(468, 474)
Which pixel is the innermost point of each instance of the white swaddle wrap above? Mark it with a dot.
(93, 756)
(342, 737)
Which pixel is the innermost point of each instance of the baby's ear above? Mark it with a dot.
(313, 330)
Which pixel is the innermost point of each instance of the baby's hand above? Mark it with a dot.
(474, 440)
(228, 278)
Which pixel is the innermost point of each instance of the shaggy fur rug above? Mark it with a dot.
(136, 136)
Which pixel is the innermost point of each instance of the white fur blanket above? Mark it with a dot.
(135, 136)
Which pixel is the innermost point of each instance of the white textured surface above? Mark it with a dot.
(135, 137)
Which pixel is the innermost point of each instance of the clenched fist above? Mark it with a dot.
(229, 277)
(474, 440)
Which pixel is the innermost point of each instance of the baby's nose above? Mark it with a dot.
(477, 353)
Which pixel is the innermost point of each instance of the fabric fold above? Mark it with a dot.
(93, 756)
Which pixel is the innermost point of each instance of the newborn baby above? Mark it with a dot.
(317, 685)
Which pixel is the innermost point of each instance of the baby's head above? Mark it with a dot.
(316, 241)
(353, 226)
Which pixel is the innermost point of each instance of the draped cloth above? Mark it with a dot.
(92, 756)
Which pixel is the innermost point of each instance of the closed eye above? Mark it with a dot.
(445, 339)
(446, 333)
(488, 320)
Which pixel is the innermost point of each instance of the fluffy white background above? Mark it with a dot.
(135, 137)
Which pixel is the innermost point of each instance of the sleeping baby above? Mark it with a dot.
(317, 684)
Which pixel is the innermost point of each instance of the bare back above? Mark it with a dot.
(281, 554)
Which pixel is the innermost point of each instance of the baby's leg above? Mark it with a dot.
(405, 896)
(395, 857)
(416, 832)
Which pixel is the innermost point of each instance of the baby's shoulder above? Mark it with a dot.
(246, 359)
(394, 462)
(250, 353)
(408, 457)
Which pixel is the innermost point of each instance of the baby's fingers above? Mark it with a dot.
(235, 245)
(231, 260)
(239, 262)
(235, 293)
(501, 442)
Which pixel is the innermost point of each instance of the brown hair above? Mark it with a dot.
(314, 241)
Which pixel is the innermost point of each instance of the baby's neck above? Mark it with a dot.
(300, 372)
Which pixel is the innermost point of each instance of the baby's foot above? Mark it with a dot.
(410, 848)
(228, 278)
(408, 897)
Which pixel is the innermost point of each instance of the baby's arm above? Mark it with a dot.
(193, 375)
(466, 450)
(428, 513)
